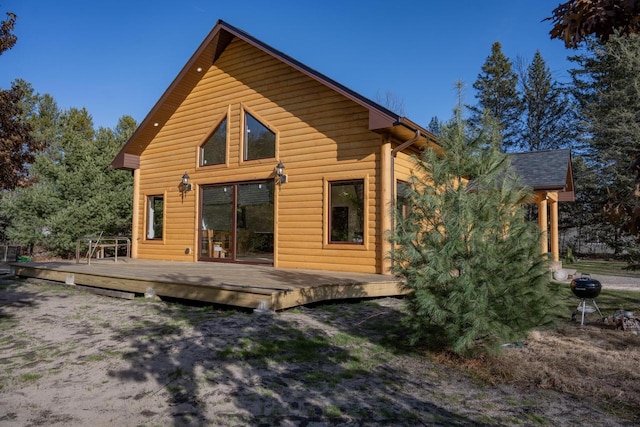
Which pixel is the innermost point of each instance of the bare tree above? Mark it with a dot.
(391, 101)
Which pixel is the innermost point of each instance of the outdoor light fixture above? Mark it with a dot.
(282, 178)
(184, 185)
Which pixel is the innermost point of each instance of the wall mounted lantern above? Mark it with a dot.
(184, 184)
(282, 178)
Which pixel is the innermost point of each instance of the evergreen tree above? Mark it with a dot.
(497, 95)
(434, 126)
(607, 87)
(465, 251)
(585, 217)
(77, 194)
(547, 121)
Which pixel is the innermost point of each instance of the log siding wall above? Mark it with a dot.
(321, 136)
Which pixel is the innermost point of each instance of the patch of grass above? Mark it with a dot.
(7, 322)
(295, 348)
(313, 377)
(537, 419)
(30, 377)
(331, 308)
(175, 389)
(556, 357)
(332, 411)
(609, 301)
(170, 329)
(345, 340)
(95, 358)
(177, 373)
(607, 268)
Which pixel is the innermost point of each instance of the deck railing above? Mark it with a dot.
(96, 245)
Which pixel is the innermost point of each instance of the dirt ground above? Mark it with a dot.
(73, 358)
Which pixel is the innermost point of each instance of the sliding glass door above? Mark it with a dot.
(237, 222)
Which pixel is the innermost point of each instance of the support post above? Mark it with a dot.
(555, 249)
(135, 225)
(542, 223)
(386, 205)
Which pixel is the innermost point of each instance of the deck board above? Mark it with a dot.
(238, 285)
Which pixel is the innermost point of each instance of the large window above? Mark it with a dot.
(259, 141)
(214, 150)
(155, 216)
(346, 207)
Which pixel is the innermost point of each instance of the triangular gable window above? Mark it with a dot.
(259, 141)
(214, 150)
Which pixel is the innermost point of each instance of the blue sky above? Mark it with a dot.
(117, 57)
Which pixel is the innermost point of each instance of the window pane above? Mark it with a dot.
(213, 152)
(347, 211)
(217, 222)
(254, 222)
(259, 141)
(155, 216)
(402, 199)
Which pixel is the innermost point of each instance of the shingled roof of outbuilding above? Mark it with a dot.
(548, 170)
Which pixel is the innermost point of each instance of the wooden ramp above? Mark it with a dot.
(221, 283)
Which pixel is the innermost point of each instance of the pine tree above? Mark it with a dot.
(547, 110)
(607, 87)
(497, 95)
(76, 193)
(434, 126)
(465, 251)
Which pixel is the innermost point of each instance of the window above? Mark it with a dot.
(155, 217)
(259, 141)
(213, 151)
(346, 209)
(402, 199)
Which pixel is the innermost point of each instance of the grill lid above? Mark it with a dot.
(586, 287)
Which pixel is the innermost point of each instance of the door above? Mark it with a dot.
(237, 222)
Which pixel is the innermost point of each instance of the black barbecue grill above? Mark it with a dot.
(587, 289)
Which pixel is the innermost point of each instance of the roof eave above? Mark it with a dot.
(186, 79)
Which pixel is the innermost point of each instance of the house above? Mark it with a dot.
(252, 157)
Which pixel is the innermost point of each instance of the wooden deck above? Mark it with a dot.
(220, 283)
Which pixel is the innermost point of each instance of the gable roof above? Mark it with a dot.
(381, 119)
(548, 170)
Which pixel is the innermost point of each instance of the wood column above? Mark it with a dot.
(542, 223)
(555, 249)
(386, 204)
(135, 215)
